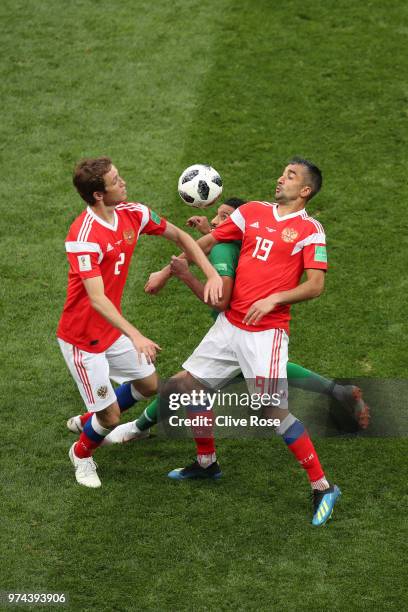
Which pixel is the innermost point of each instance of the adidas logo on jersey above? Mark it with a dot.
(109, 247)
(256, 224)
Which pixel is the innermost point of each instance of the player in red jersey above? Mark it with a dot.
(279, 243)
(97, 342)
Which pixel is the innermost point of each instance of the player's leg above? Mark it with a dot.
(125, 365)
(138, 380)
(205, 465)
(211, 365)
(91, 374)
(269, 370)
(139, 428)
(136, 429)
(127, 395)
(350, 396)
(307, 380)
(92, 436)
(298, 441)
(131, 393)
(149, 416)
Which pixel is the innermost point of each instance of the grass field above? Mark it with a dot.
(242, 85)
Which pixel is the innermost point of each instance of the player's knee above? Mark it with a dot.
(278, 413)
(175, 384)
(185, 382)
(110, 417)
(147, 386)
(170, 392)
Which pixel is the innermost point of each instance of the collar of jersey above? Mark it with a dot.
(113, 227)
(291, 216)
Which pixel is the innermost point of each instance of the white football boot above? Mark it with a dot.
(125, 433)
(85, 470)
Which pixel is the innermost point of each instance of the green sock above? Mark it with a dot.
(148, 418)
(309, 381)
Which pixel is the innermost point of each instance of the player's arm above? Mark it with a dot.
(200, 223)
(213, 286)
(311, 288)
(179, 267)
(102, 304)
(157, 280)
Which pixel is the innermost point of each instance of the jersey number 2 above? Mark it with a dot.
(120, 262)
(263, 248)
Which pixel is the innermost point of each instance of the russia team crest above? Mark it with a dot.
(129, 236)
(289, 234)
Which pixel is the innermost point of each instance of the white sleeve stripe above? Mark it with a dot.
(127, 204)
(145, 217)
(238, 219)
(83, 247)
(86, 225)
(88, 231)
(131, 207)
(313, 222)
(317, 238)
(317, 225)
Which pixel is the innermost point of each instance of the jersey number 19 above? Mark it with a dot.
(262, 248)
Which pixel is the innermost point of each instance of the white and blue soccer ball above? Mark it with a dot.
(199, 186)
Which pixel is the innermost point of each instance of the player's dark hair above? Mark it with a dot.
(314, 174)
(88, 177)
(234, 202)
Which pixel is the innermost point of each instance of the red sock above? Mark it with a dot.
(205, 446)
(306, 455)
(203, 434)
(85, 446)
(85, 417)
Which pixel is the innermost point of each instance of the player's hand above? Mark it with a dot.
(156, 282)
(200, 223)
(145, 347)
(213, 290)
(179, 267)
(258, 310)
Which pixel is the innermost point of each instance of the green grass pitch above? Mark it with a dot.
(243, 85)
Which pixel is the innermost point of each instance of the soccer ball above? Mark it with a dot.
(199, 186)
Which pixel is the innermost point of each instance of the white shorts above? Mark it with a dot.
(227, 350)
(92, 371)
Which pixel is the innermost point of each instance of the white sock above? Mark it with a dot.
(97, 427)
(206, 460)
(321, 484)
(136, 394)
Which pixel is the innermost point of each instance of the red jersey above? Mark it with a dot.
(96, 248)
(274, 254)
